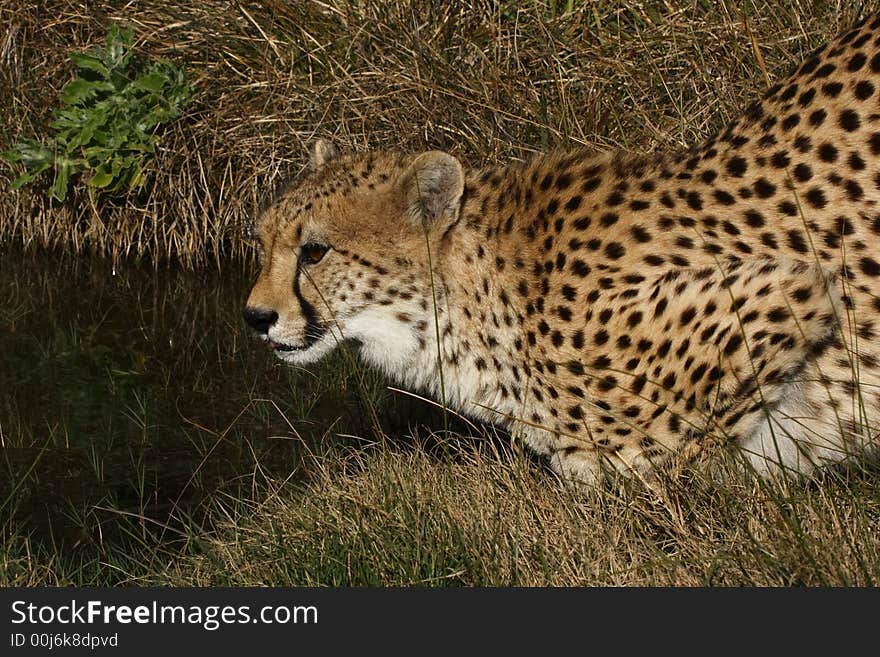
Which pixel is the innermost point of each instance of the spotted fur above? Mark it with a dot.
(615, 310)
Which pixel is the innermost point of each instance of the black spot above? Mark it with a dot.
(736, 167)
(632, 411)
(768, 123)
(754, 219)
(608, 219)
(806, 68)
(615, 198)
(591, 184)
(724, 198)
(688, 315)
(796, 241)
(640, 234)
(731, 228)
(817, 117)
(787, 208)
(802, 172)
(802, 294)
(869, 266)
(855, 161)
(832, 89)
(827, 152)
(849, 120)
(778, 314)
(780, 159)
(853, 190)
(580, 268)
(733, 344)
(864, 90)
(573, 203)
(807, 97)
(824, 71)
(583, 223)
(698, 372)
(816, 197)
(844, 226)
(607, 383)
(614, 250)
(764, 188)
(660, 308)
(856, 62)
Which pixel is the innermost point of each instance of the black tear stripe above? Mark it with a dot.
(313, 331)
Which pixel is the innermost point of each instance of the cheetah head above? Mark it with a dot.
(345, 255)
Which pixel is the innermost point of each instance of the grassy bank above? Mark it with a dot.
(487, 80)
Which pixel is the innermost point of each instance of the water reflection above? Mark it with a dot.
(142, 390)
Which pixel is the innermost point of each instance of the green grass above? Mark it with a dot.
(107, 125)
(376, 508)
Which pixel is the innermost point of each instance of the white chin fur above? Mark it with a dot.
(314, 352)
(306, 356)
(388, 345)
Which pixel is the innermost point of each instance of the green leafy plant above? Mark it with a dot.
(107, 125)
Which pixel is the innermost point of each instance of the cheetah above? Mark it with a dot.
(619, 312)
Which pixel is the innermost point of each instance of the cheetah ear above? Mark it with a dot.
(433, 185)
(323, 150)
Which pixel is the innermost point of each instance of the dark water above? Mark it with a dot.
(140, 391)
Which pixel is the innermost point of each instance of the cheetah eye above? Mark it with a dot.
(312, 253)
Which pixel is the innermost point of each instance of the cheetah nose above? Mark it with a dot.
(260, 319)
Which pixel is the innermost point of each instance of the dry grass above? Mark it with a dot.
(415, 518)
(487, 80)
